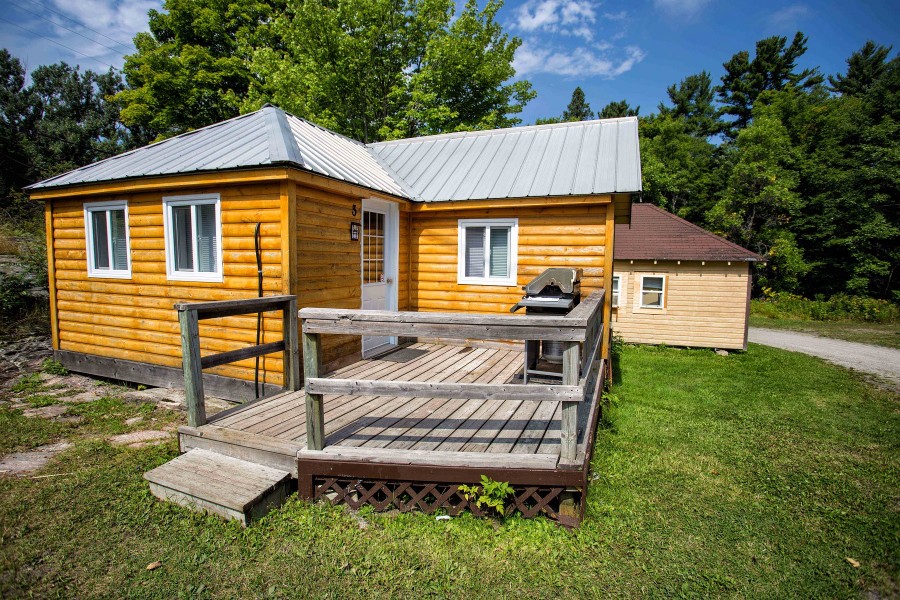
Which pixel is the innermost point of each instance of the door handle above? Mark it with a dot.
(389, 280)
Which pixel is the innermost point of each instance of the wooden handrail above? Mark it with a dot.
(189, 315)
(582, 325)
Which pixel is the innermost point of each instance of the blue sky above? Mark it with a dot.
(612, 49)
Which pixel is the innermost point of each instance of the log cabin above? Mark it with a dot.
(441, 231)
(677, 284)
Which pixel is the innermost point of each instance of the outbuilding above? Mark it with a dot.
(675, 283)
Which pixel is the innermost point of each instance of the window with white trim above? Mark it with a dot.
(488, 251)
(106, 233)
(653, 291)
(616, 286)
(193, 231)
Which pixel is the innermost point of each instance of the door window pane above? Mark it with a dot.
(373, 247)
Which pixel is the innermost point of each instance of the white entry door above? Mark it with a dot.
(379, 266)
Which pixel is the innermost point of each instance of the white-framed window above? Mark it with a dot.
(653, 291)
(616, 290)
(193, 232)
(488, 251)
(108, 244)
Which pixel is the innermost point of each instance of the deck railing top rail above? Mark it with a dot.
(572, 327)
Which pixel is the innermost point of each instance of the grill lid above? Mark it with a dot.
(565, 279)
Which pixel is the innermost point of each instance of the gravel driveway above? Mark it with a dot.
(877, 360)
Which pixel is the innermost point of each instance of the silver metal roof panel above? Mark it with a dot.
(588, 157)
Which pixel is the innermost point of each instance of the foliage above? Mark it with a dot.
(679, 169)
(27, 383)
(391, 68)
(53, 367)
(864, 68)
(578, 108)
(840, 307)
(191, 69)
(15, 297)
(752, 476)
(693, 104)
(773, 68)
(618, 108)
(490, 494)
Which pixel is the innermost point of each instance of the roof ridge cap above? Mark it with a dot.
(282, 144)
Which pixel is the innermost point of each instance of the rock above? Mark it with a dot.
(722, 352)
(136, 439)
(133, 420)
(24, 355)
(82, 397)
(20, 463)
(46, 412)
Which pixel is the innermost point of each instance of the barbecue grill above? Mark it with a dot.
(556, 291)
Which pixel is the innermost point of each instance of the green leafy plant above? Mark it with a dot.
(53, 367)
(490, 494)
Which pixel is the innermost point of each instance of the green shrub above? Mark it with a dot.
(841, 307)
(14, 296)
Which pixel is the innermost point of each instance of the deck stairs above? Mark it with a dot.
(229, 487)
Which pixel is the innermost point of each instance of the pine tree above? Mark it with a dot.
(692, 100)
(578, 109)
(864, 67)
(618, 109)
(772, 69)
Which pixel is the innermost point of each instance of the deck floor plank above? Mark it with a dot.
(392, 423)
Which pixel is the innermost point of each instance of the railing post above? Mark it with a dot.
(315, 410)
(290, 335)
(568, 427)
(193, 373)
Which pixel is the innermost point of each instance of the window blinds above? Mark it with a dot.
(475, 251)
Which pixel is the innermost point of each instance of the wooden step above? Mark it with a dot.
(219, 484)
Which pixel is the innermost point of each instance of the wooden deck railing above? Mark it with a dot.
(189, 315)
(582, 327)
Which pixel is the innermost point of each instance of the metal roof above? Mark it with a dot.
(266, 137)
(656, 234)
(563, 159)
(587, 157)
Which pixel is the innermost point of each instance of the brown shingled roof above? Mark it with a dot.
(655, 234)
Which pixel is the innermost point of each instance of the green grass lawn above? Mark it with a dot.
(752, 475)
(880, 334)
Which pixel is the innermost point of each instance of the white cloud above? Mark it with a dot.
(94, 34)
(567, 17)
(681, 8)
(789, 16)
(599, 60)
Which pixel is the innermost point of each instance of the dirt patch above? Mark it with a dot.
(137, 439)
(22, 463)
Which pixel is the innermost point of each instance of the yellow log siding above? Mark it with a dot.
(705, 305)
(329, 264)
(548, 236)
(133, 318)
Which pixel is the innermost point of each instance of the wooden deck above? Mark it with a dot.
(401, 423)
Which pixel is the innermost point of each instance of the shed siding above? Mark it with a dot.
(549, 236)
(705, 305)
(134, 319)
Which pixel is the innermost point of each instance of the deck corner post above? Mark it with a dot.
(568, 430)
(291, 334)
(190, 363)
(315, 410)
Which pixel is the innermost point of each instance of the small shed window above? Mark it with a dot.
(616, 286)
(487, 251)
(193, 230)
(106, 231)
(653, 291)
